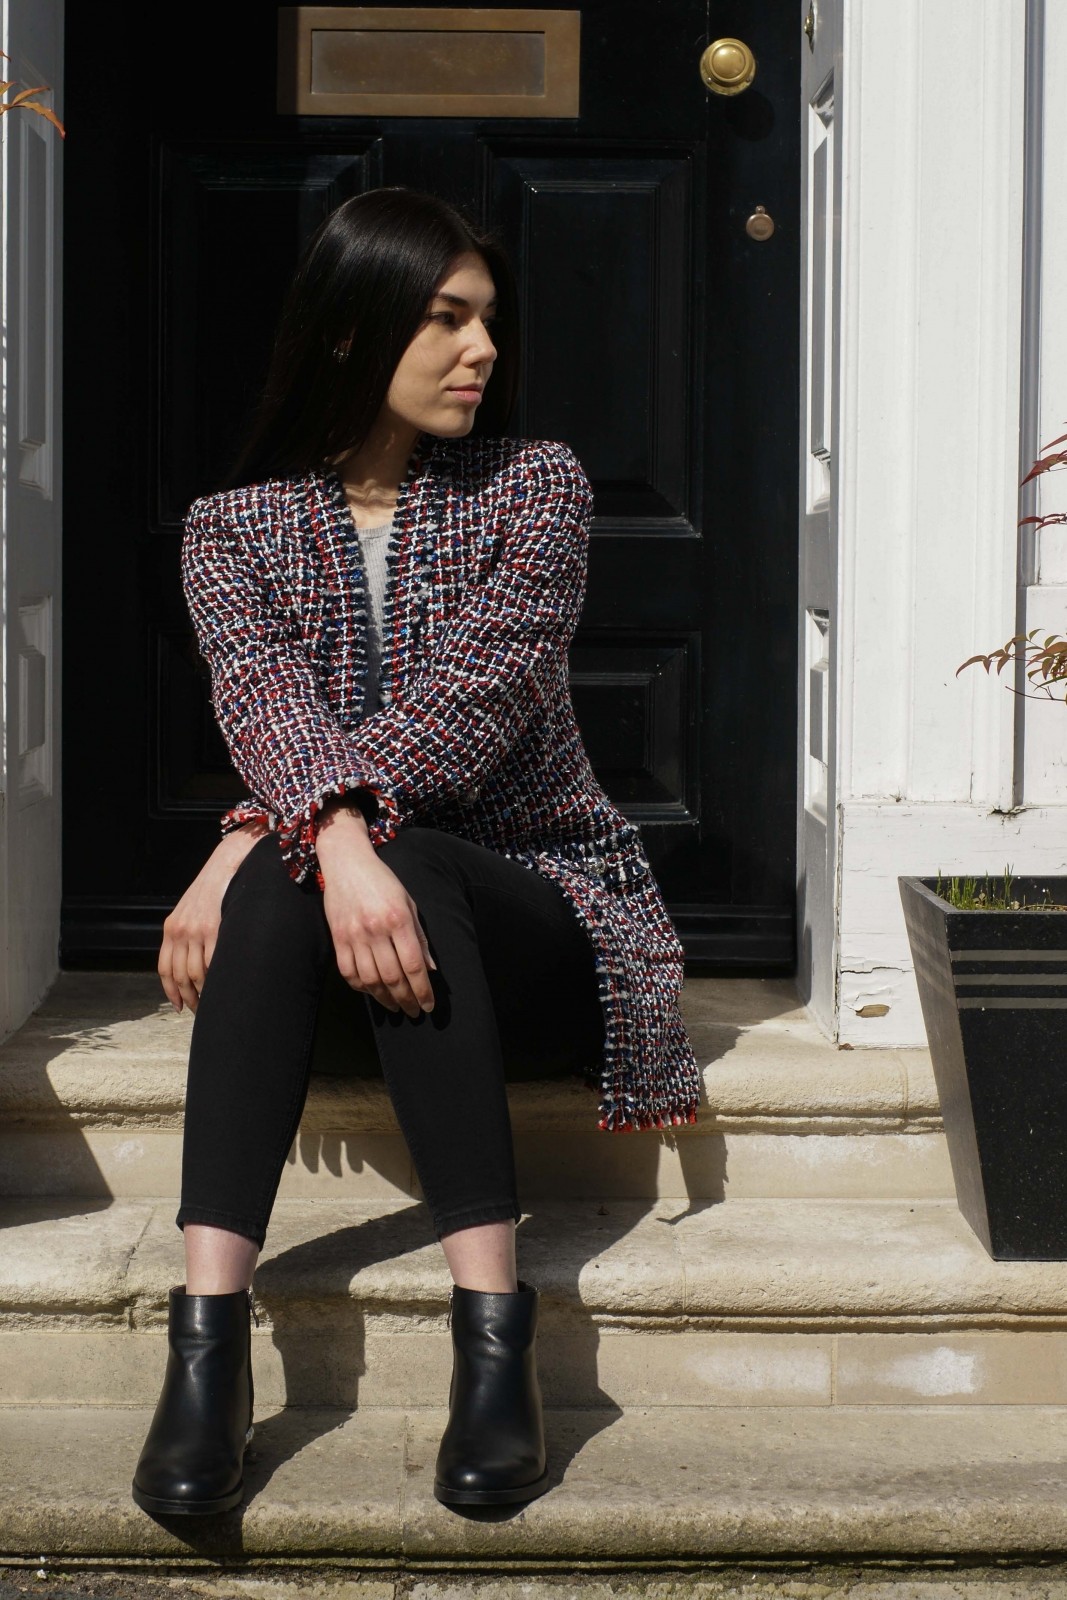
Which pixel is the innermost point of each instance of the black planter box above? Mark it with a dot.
(993, 987)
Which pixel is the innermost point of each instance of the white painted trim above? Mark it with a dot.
(877, 339)
(34, 134)
(930, 318)
(819, 404)
(1050, 560)
(1034, 177)
(1041, 722)
(30, 519)
(881, 841)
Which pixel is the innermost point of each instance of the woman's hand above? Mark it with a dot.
(377, 935)
(190, 932)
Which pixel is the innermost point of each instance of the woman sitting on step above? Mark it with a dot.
(385, 595)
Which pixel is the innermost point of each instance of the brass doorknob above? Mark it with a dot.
(727, 66)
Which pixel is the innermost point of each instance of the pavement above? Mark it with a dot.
(795, 1582)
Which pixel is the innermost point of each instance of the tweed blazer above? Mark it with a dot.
(476, 732)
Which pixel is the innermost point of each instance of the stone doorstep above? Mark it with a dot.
(805, 1264)
(131, 1162)
(813, 1303)
(600, 1368)
(103, 1050)
(640, 1486)
(757, 1261)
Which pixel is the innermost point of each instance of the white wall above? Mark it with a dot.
(938, 371)
(1044, 564)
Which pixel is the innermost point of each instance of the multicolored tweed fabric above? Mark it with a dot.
(476, 732)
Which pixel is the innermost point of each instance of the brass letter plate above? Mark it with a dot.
(409, 61)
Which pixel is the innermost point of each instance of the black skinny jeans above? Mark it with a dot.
(515, 996)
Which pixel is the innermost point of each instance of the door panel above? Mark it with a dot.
(230, 216)
(603, 245)
(660, 340)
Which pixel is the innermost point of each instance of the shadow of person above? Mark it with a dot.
(374, 1295)
(79, 1037)
(318, 1295)
(719, 1012)
(349, 1126)
(336, 1300)
(358, 1313)
(219, 1534)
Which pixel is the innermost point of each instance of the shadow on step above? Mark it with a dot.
(57, 1207)
(95, 1056)
(560, 1153)
(358, 1317)
(278, 1439)
(360, 1481)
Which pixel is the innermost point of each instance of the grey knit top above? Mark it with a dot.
(373, 542)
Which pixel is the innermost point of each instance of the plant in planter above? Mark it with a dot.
(992, 977)
(991, 970)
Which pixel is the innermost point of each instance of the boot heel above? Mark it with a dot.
(192, 1460)
(493, 1448)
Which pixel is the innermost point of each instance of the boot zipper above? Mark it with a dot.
(448, 1323)
(251, 1403)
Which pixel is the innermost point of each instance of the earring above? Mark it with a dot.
(339, 354)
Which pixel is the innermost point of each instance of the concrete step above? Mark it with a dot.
(657, 1485)
(809, 1303)
(92, 1090)
(280, 1577)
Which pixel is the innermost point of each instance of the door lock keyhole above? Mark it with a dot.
(760, 225)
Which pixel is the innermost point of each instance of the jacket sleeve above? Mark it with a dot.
(485, 682)
(282, 737)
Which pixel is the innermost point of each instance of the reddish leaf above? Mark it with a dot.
(45, 111)
(1044, 466)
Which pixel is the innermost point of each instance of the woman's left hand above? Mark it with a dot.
(380, 943)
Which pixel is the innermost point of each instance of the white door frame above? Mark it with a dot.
(820, 276)
(30, 512)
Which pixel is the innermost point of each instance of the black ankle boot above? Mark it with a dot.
(193, 1458)
(493, 1448)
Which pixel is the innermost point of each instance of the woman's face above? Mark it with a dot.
(437, 385)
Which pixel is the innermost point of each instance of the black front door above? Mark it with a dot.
(660, 342)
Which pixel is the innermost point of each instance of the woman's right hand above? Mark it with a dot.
(191, 929)
(378, 938)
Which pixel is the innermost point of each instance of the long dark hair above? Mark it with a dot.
(366, 279)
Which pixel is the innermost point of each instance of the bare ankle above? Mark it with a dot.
(218, 1261)
(209, 1286)
(483, 1257)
